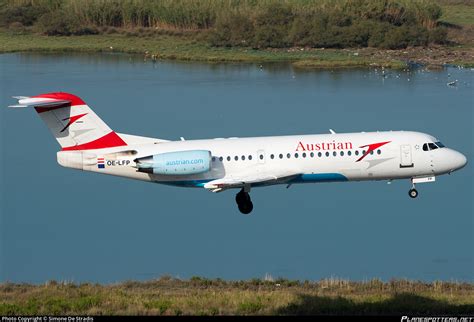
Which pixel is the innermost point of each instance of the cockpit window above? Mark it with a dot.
(432, 146)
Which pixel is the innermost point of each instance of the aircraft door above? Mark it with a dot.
(406, 160)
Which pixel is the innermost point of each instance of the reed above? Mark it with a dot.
(244, 23)
(202, 14)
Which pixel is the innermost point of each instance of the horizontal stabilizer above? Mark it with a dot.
(25, 101)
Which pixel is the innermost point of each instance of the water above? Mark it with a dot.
(64, 224)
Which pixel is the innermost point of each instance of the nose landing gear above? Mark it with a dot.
(244, 202)
(413, 193)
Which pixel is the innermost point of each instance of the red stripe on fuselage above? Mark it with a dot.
(107, 141)
(371, 148)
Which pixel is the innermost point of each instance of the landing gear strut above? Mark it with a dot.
(244, 202)
(413, 193)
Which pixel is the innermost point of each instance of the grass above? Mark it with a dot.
(185, 47)
(182, 48)
(200, 296)
(459, 14)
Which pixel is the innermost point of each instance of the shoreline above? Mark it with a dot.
(183, 48)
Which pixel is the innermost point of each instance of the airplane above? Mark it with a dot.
(88, 144)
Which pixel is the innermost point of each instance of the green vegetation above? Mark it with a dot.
(200, 296)
(461, 15)
(184, 48)
(457, 12)
(247, 23)
(311, 33)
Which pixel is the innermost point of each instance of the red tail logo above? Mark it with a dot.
(72, 119)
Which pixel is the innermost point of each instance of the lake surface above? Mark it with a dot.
(63, 224)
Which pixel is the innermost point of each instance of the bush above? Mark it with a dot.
(26, 15)
(60, 24)
(272, 26)
(395, 38)
(16, 27)
(232, 29)
(309, 30)
(401, 37)
(438, 35)
(377, 34)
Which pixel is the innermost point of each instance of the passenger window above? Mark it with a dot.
(334, 153)
(250, 157)
(243, 158)
(296, 155)
(311, 154)
(221, 159)
(228, 158)
(213, 159)
(304, 155)
(236, 158)
(272, 156)
(356, 152)
(379, 152)
(372, 152)
(261, 156)
(320, 154)
(327, 154)
(288, 155)
(281, 156)
(349, 153)
(342, 153)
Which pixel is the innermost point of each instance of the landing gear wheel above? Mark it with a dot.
(413, 193)
(244, 202)
(246, 208)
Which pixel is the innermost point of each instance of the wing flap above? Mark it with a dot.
(219, 185)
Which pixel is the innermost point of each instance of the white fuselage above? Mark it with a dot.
(288, 159)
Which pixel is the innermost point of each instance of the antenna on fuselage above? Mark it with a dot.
(332, 131)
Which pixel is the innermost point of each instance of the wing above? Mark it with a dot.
(260, 179)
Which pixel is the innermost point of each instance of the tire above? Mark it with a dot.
(246, 207)
(242, 197)
(413, 193)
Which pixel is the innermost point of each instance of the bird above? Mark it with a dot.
(453, 83)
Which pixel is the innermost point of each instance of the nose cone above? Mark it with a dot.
(447, 160)
(459, 160)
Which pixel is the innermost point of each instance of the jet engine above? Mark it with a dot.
(176, 163)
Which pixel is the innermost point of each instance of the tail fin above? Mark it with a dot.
(74, 125)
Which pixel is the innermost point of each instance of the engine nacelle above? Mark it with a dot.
(176, 163)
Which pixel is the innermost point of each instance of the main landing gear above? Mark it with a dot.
(244, 202)
(413, 193)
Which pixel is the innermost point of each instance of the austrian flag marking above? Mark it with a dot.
(100, 163)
